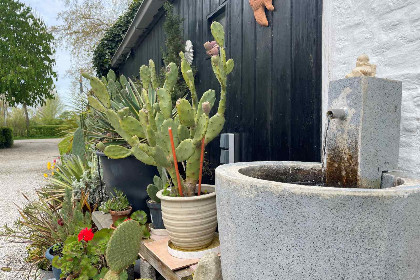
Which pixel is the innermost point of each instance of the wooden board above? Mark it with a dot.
(160, 249)
(161, 267)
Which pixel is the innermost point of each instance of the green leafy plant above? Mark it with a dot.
(123, 249)
(43, 225)
(71, 172)
(83, 255)
(117, 202)
(192, 128)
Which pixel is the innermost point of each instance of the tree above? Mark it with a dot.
(84, 24)
(26, 57)
(49, 113)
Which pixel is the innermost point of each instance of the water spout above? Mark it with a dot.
(337, 114)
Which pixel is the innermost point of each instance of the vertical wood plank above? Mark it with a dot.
(248, 82)
(263, 91)
(306, 96)
(234, 94)
(282, 77)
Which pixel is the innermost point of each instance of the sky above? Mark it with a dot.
(47, 10)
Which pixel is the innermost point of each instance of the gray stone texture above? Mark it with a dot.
(21, 172)
(147, 270)
(272, 230)
(209, 268)
(366, 143)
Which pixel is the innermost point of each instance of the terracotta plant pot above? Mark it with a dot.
(190, 221)
(116, 215)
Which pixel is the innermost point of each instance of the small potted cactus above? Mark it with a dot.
(118, 206)
(161, 139)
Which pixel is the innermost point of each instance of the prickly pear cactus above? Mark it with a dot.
(148, 135)
(152, 189)
(123, 248)
(79, 146)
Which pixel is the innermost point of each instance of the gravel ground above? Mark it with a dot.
(21, 171)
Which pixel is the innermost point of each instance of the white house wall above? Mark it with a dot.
(389, 32)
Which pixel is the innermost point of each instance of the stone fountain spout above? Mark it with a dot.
(364, 131)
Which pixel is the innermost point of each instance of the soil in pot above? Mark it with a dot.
(116, 215)
(156, 214)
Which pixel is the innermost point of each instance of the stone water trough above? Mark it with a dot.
(357, 218)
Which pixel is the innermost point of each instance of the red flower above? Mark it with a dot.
(128, 219)
(85, 234)
(60, 222)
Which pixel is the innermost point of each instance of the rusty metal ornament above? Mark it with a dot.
(258, 6)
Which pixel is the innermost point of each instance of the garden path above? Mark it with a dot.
(21, 171)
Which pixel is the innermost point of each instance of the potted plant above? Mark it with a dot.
(83, 255)
(188, 209)
(159, 183)
(117, 205)
(53, 251)
(124, 173)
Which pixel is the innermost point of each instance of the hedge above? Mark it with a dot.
(6, 137)
(47, 130)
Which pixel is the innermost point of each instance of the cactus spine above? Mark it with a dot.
(123, 248)
(148, 135)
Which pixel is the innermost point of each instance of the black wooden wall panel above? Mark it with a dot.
(274, 93)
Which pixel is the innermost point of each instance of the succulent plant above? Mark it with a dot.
(159, 183)
(149, 135)
(123, 248)
(79, 145)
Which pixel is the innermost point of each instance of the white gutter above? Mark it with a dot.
(144, 17)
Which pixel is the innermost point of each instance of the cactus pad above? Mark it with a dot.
(124, 246)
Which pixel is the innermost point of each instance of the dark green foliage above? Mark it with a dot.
(6, 137)
(173, 32)
(41, 131)
(113, 37)
(174, 44)
(26, 56)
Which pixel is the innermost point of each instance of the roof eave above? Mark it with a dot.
(143, 18)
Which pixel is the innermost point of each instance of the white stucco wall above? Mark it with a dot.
(389, 32)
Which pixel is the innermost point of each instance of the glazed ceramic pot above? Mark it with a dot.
(190, 221)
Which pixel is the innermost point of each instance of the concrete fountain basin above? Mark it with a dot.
(275, 222)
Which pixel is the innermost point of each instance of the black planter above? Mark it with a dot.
(156, 214)
(129, 175)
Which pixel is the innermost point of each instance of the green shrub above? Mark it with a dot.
(47, 130)
(6, 137)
